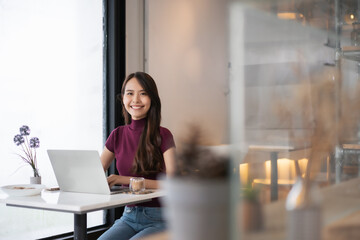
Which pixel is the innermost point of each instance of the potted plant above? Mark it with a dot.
(28, 155)
(198, 195)
(252, 217)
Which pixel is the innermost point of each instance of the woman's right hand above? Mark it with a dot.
(114, 179)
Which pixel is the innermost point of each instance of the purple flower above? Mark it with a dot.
(25, 130)
(34, 142)
(18, 139)
(28, 148)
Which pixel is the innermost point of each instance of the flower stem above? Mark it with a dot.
(25, 151)
(35, 158)
(29, 149)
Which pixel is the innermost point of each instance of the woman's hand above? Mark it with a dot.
(116, 179)
(169, 158)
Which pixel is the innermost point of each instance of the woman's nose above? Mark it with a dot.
(136, 98)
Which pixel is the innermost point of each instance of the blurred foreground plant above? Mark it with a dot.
(330, 110)
(195, 160)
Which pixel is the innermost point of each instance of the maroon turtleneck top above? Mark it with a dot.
(123, 142)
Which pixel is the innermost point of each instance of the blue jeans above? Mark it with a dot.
(135, 223)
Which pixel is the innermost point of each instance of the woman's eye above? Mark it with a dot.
(144, 93)
(129, 93)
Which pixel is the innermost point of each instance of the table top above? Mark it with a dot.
(351, 146)
(78, 203)
(277, 148)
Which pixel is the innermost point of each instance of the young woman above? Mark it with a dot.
(142, 149)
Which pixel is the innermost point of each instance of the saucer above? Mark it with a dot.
(20, 190)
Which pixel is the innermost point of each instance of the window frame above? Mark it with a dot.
(114, 75)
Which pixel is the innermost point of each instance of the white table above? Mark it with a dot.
(77, 203)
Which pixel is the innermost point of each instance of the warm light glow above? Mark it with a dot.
(244, 173)
(350, 17)
(282, 182)
(302, 165)
(286, 169)
(290, 15)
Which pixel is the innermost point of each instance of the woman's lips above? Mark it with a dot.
(136, 107)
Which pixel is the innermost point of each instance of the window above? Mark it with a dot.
(51, 54)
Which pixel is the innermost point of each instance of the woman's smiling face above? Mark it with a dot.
(136, 100)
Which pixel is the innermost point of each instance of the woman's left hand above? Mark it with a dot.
(115, 179)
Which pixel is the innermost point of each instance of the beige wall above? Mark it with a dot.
(187, 56)
(134, 36)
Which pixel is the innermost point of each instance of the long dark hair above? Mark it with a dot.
(148, 157)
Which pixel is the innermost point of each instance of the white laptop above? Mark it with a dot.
(81, 171)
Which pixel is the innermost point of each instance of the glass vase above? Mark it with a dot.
(35, 180)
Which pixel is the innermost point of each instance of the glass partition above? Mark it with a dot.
(275, 80)
(294, 112)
